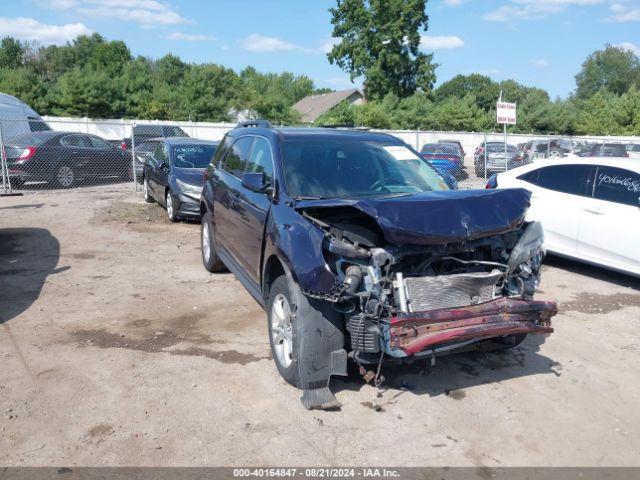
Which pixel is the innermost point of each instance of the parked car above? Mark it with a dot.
(350, 242)
(589, 208)
(618, 150)
(18, 118)
(172, 175)
(633, 150)
(142, 133)
(498, 159)
(444, 158)
(458, 143)
(143, 152)
(63, 158)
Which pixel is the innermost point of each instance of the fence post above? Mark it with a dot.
(133, 157)
(6, 181)
(418, 140)
(485, 156)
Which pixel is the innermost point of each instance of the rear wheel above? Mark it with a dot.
(65, 176)
(145, 190)
(210, 258)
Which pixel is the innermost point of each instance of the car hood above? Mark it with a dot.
(434, 218)
(192, 176)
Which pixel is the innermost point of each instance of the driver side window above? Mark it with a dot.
(261, 160)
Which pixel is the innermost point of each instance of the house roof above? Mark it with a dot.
(312, 107)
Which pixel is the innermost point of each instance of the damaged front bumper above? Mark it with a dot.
(427, 332)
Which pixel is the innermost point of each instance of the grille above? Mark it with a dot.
(450, 291)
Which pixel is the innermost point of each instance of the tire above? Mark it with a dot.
(65, 176)
(210, 259)
(145, 191)
(283, 331)
(17, 184)
(555, 153)
(171, 207)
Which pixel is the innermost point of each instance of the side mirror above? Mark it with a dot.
(255, 182)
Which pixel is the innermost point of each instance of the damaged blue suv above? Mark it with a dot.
(357, 249)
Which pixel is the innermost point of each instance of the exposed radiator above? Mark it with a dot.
(445, 291)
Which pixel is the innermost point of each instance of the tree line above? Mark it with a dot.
(97, 78)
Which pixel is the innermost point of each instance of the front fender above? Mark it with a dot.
(298, 244)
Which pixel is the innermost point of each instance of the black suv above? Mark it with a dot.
(356, 249)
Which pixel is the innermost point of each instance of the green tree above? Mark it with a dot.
(599, 115)
(380, 41)
(11, 53)
(485, 90)
(613, 68)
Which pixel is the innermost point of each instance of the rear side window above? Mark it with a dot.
(261, 160)
(236, 159)
(571, 179)
(99, 143)
(75, 141)
(617, 185)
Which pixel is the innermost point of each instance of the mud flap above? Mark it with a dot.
(321, 352)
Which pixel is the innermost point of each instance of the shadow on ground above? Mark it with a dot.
(27, 257)
(598, 273)
(453, 375)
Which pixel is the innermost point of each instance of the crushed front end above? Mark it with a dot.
(409, 300)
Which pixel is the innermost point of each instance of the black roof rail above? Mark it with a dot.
(345, 126)
(254, 123)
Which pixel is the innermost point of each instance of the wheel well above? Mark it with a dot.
(272, 269)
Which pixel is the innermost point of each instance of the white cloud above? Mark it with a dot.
(189, 37)
(30, 29)
(432, 43)
(624, 12)
(539, 62)
(147, 13)
(452, 3)
(632, 47)
(262, 44)
(534, 9)
(328, 45)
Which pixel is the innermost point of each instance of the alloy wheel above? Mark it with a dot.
(206, 242)
(282, 330)
(65, 176)
(170, 206)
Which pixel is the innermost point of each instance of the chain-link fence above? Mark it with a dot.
(35, 157)
(63, 153)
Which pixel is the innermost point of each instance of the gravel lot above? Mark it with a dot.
(118, 348)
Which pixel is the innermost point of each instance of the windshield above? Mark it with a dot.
(193, 156)
(353, 168)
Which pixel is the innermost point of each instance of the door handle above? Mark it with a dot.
(594, 210)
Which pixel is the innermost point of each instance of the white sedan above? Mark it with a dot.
(589, 207)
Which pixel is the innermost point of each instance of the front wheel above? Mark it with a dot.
(171, 209)
(283, 334)
(210, 259)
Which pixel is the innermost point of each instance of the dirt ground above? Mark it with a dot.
(118, 348)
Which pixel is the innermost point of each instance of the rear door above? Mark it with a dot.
(74, 151)
(558, 193)
(610, 223)
(253, 209)
(228, 211)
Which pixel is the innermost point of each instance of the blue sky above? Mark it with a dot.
(536, 42)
